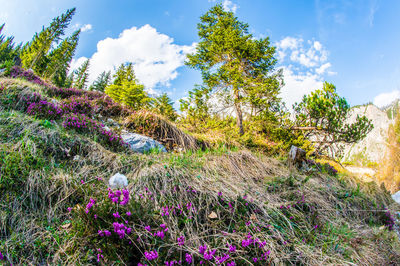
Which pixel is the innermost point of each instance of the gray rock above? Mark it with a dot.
(296, 156)
(396, 197)
(140, 143)
(118, 181)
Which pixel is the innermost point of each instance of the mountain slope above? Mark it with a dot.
(210, 206)
(373, 147)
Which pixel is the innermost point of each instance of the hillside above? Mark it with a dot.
(198, 205)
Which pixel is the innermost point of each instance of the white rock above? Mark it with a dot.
(396, 197)
(118, 181)
(140, 143)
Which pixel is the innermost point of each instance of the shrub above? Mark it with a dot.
(18, 72)
(154, 126)
(83, 124)
(16, 164)
(45, 109)
(65, 93)
(77, 105)
(106, 106)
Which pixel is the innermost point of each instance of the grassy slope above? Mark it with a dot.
(303, 217)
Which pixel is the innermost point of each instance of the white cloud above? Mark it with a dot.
(154, 55)
(321, 70)
(76, 63)
(386, 98)
(297, 85)
(372, 10)
(304, 65)
(317, 46)
(229, 6)
(86, 27)
(295, 49)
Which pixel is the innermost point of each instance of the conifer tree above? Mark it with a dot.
(8, 51)
(134, 95)
(126, 90)
(82, 75)
(164, 106)
(69, 80)
(196, 107)
(234, 64)
(34, 53)
(124, 72)
(60, 59)
(102, 81)
(321, 117)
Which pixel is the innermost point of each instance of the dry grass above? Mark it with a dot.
(155, 126)
(389, 169)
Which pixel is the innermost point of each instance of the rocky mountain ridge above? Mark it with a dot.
(372, 149)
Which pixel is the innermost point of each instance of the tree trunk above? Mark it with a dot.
(239, 114)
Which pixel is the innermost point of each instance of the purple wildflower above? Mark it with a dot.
(160, 234)
(209, 255)
(181, 240)
(188, 258)
(202, 249)
(222, 259)
(151, 255)
(232, 248)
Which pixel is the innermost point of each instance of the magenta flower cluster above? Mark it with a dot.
(77, 105)
(104, 233)
(99, 255)
(116, 196)
(82, 123)
(44, 109)
(1, 256)
(181, 240)
(65, 93)
(90, 205)
(151, 255)
(121, 230)
(18, 72)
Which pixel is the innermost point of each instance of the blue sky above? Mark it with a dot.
(353, 44)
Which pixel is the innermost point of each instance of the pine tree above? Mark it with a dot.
(321, 118)
(60, 59)
(8, 51)
(124, 73)
(82, 74)
(134, 95)
(196, 107)
(234, 64)
(126, 90)
(164, 106)
(34, 53)
(102, 81)
(69, 80)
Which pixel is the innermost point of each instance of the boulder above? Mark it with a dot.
(140, 143)
(118, 181)
(396, 197)
(296, 156)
